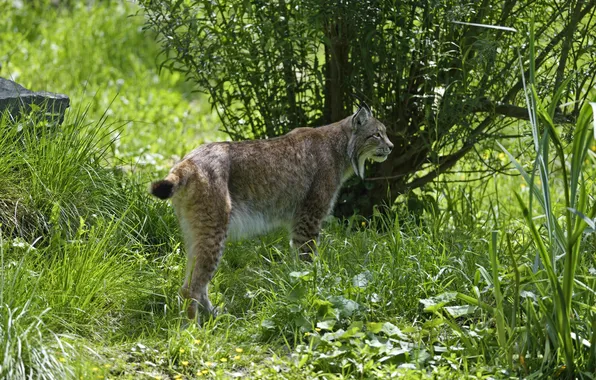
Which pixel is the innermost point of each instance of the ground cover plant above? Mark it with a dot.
(490, 279)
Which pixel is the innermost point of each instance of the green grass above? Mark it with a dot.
(90, 265)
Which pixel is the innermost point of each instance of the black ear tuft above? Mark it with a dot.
(365, 106)
(362, 104)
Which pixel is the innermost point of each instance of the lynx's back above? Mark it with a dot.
(268, 179)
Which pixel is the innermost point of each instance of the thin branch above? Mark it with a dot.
(447, 162)
(509, 110)
(487, 175)
(566, 46)
(547, 49)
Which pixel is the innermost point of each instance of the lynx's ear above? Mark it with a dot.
(361, 117)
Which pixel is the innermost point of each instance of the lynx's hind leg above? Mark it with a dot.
(203, 212)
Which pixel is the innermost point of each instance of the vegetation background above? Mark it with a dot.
(479, 274)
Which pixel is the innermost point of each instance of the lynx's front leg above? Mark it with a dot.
(305, 236)
(308, 220)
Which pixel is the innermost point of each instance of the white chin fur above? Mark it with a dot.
(378, 159)
(361, 161)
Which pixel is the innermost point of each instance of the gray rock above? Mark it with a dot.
(17, 100)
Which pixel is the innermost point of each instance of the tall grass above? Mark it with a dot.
(564, 311)
(61, 169)
(26, 346)
(541, 293)
(559, 306)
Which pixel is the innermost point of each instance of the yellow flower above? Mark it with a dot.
(363, 224)
(208, 364)
(182, 350)
(62, 359)
(317, 329)
(205, 371)
(223, 360)
(94, 369)
(199, 374)
(184, 363)
(501, 156)
(239, 350)
(178, 377)
(107, 365)
(197, 341)
(237, 357)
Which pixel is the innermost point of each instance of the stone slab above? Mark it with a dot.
(17, 100)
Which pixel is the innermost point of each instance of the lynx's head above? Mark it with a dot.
(368, 141)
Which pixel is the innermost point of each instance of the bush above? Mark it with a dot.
(440, 86)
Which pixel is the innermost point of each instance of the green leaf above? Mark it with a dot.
(436, 303)
(297, 293)
(374, 327)
(331, 336)
(326, 324)
(300, 321)
(301, 275)
(460, 311)
(303, 360)
(358, 325)
(355, 330)
(399, 353)
(324, 308)
(346, 307)
(386, 328)
(268, 324)
(391, 330)
(361, 280)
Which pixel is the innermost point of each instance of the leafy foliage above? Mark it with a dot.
(546, 293)
(440, 82)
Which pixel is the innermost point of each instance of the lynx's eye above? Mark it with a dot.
(377, 135)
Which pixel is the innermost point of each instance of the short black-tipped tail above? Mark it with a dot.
(177, 177)
(163, 189)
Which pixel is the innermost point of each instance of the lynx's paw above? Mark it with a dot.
(307, 248)
(199, 314)
(306, 256)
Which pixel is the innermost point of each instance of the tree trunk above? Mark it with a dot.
(336, 69)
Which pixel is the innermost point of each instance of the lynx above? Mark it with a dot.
(230, 190)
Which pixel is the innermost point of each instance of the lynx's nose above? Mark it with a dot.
(389, 145)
